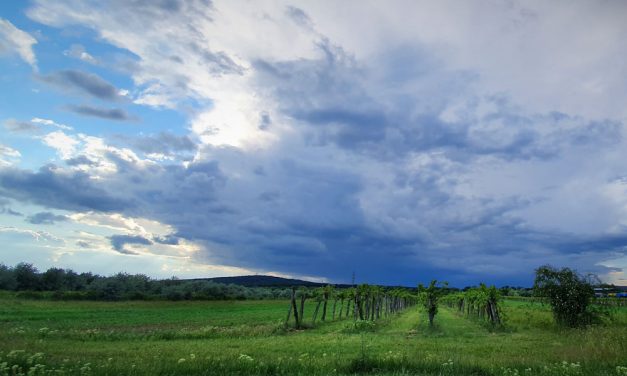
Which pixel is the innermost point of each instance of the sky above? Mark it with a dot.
(403, 141)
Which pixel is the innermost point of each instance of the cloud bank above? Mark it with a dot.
(317, 144)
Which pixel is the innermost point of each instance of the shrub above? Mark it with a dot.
(569, 295)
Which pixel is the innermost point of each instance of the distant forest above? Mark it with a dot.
(65, 284)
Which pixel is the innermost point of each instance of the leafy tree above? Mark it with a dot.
(26, 276)
(429, 297)
(569, 294)
(53, 279)
(7, 278)
(73, 282)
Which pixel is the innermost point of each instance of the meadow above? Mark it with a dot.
(249, 338)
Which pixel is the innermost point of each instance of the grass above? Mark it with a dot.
(248, 338)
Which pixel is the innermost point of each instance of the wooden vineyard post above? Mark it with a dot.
(373, 306)
(289, 313)
(341, 306)
(348, 306)
(303, 297)
(315, 315)
(324, 307)
(318, 295)
(294, 308)
(349, 299)
(355, 305)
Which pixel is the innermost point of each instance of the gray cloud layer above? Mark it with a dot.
(82, 82)
(18, 126)
(118, 242)
(48, 188)
(116, 114)
(163, 143)
(45, 218)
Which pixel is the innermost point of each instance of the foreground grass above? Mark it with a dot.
(248, 337)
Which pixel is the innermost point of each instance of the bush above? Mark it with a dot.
(569, 295)
(37, 295)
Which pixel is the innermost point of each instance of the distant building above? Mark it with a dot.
(611, 291)
(600, 292)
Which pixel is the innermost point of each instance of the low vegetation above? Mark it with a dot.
(250, 338)
(327, 331)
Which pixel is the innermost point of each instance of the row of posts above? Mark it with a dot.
(364, 302)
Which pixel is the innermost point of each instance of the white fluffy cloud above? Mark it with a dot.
(14, 40)
(8, 155)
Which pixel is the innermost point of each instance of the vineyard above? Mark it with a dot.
(327, 331)
(429, 330)
(362, 303)
(482, 302)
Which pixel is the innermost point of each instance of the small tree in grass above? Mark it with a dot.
(429, 297)
(569, 294)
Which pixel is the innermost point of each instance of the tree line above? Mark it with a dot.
(57, 283)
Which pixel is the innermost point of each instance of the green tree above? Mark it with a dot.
(53, 279)
(7, 278)
(569, 295)
(27, 277)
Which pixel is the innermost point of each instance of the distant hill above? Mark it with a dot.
(270, 281)
(264, 281)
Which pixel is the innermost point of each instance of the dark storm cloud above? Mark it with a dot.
(332, 95)
(49, 188)
(309, 219)
(133, 190)
(595, 243)
(347, 128)
(86, 83)
(116, 114)
(46, 218)
(118, 243)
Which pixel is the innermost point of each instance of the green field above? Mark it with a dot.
(248, 337)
